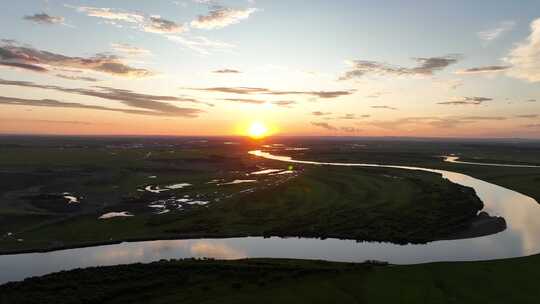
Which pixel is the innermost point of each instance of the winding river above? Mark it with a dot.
(522, 237)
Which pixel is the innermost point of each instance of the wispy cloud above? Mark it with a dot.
(525, 57)
(384, 107)
(200, 44)
(466, 101)
(128, 49)
(329, 127)
(234, 90)
(425, 66)
(490, 69)
(52, 103)
(319, 113)
(110, 13)
(347, 116)
(32, 59)
(319, 94)
(158, 25)
(496, 32)
(226, 71)
(265, 91)
(157, 104)
(350, 129)
(245, 100)
(47, 121)
(376, 94)
(22, 66)
(220, 17)
(284, 103)
(151, 24)
(43, 18)
(430, 121)
(281, 103)
(449, 84)
(324, 125)
(75, 77)
(480, 118)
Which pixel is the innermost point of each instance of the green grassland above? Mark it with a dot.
(428, 154)
(362, 203)
(285, 281)
(354, 203)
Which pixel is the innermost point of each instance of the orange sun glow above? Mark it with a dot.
(257, 130)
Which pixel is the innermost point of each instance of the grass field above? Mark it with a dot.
(356, 203)
(353, 203)
(361, 203)
(285, 281)
(427, 153)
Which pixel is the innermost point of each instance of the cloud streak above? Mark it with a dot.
(384, 107)
(23, 66)
(329, 127)
(43, 18)
(347, 116)
(200, 44)
(71, 77)
(130, 50)
(246, 100)
(150, 24)
(425, 66)
(52, 103)
(350, 129)
(284, 103)
(47, 121)
(466, 101)
(35, 60)
(497, 32)
(226, 71)
(324, 125)
(156, 104)
(265, 91)
(485, 69)
(110, 14)
(319, 113)
(220, 17)
(159, 25)
(431, 121)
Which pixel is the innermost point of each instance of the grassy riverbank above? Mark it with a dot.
(285, 281)
(428, 154)
(352, 203)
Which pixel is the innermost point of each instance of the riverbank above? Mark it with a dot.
(481, 226)
(285, 281)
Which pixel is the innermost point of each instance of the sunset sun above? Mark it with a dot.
(257, 130)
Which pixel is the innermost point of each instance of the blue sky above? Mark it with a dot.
(410, 68)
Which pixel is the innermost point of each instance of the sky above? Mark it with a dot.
(299, 67)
